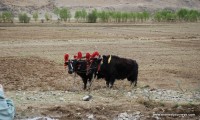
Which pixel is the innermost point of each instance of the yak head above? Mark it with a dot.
(101, 65)
(106, 59)
(72, 66)
(77, 66)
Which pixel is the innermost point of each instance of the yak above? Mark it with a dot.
(113, 67)
(80, 68)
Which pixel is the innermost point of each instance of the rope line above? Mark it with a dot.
(85, 71)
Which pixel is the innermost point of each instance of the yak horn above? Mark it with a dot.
(109, 59)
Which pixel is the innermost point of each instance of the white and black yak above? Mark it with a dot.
(82, 67)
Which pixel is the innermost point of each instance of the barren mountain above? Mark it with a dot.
(43, 6)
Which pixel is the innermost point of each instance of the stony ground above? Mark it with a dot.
(59, 101)
(32, 72)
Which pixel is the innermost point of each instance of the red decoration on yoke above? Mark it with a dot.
(87, 56)
(66, 57)
(79, 55)
(95, 54)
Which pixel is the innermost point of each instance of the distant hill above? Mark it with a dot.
(43, 6)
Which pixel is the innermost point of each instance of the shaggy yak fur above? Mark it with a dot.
(114, 67)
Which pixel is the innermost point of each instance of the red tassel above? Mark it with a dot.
(66, 57)
(95, 54)
(79, 55)
(87, 56)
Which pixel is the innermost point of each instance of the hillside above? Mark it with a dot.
(43, 6)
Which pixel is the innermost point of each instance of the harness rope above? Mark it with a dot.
(85, 71)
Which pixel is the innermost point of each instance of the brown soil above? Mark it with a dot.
(30, 73)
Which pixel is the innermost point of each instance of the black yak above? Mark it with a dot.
(82, 67)
(114, 67)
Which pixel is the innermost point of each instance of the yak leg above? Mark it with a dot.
(132, 80)
(85, 83)
(135, 83)
(107, 82)
(112, 80)
(135, 76)
(90, 78)
(90, 83)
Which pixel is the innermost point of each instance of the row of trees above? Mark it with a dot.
(182, 15)
(116, 16)
(188, 15)
(64, 14)
(7, 16)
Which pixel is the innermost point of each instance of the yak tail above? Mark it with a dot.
(135, 74)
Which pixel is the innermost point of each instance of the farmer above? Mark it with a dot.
(7, 109)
